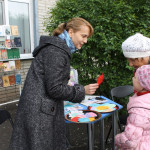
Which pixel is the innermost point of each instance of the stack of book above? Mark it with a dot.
(5, 40)
(10, 65)
(7, 30)
(10, 43)
(12, 53)
(10, 80)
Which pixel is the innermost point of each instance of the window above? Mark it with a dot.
(20, 13)
(1, 13)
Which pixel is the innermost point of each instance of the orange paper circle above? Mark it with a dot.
(102, 107)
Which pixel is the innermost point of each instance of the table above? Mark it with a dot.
(90, 125)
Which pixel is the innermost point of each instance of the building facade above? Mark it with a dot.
(29, 16)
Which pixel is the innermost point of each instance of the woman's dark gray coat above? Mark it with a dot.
(39, 123)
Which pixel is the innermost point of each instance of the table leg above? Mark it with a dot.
(91, 136)
(68, 136)
(102, 142)
(114, 129)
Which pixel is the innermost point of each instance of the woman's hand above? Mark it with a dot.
(91, 88)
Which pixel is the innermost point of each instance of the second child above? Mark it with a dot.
(137, 131)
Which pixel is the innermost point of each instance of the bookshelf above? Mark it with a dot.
(10, 73)
(10, 64)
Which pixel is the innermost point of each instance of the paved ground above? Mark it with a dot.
(77, 133)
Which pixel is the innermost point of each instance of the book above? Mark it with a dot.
(12, 80)
(1, 54)
(10, 53)
(18, 64)
(1, 82)
(12, 65)
(4, 54)
(2, 42)
(7, 43)
(7, 30)
(14, 30)
(12, 43)
(18, 78)
(5, 81)
(6, 66)
(16, 53)
(17, 41)
(1, 67)
(2, 30)
(13, 53)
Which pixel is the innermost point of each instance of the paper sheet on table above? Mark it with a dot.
(89, 102)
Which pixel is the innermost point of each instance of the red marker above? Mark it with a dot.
(100, 79)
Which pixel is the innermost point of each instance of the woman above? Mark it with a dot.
(136, 49)
(39, 123)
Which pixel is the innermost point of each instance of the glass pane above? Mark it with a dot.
(1, 14)
(19, 15)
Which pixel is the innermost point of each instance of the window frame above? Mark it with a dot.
(6, 21)
(3, 10)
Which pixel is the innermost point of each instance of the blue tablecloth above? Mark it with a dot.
(103, 115)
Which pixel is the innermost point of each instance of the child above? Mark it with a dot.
(137, 131)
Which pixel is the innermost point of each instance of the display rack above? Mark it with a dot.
(10, 64)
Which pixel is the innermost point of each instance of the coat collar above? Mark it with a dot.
(52, 40)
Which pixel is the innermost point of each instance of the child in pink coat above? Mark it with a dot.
(137, 131)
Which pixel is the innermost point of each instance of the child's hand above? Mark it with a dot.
(117, 147)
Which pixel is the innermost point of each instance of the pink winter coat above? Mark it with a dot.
(137, 131)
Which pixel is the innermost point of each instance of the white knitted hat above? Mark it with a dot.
(136, 46)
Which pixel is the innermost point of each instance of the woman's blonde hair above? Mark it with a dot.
(75, 24)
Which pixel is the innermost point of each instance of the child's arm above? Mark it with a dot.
(130, 137)
(133, 131)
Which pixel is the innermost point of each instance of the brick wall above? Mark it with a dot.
(43, 7)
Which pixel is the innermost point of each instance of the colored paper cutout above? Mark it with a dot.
(100, 79)
(102, 107)
(75, 119)
(92, 119)
(106, 107)
(84, 120)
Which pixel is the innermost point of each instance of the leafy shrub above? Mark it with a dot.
(113, 22)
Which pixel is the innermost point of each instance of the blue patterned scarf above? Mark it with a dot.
(65, 36)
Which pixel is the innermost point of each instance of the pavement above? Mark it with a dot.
(77, 133)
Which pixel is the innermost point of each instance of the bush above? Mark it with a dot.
(113, 22)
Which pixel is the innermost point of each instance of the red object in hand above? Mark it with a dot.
(100, 79)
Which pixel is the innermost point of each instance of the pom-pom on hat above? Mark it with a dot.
(143, 75)
(136, 46)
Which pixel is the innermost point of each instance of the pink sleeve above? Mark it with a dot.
(130, 137)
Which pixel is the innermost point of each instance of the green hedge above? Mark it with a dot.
(113, 22)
